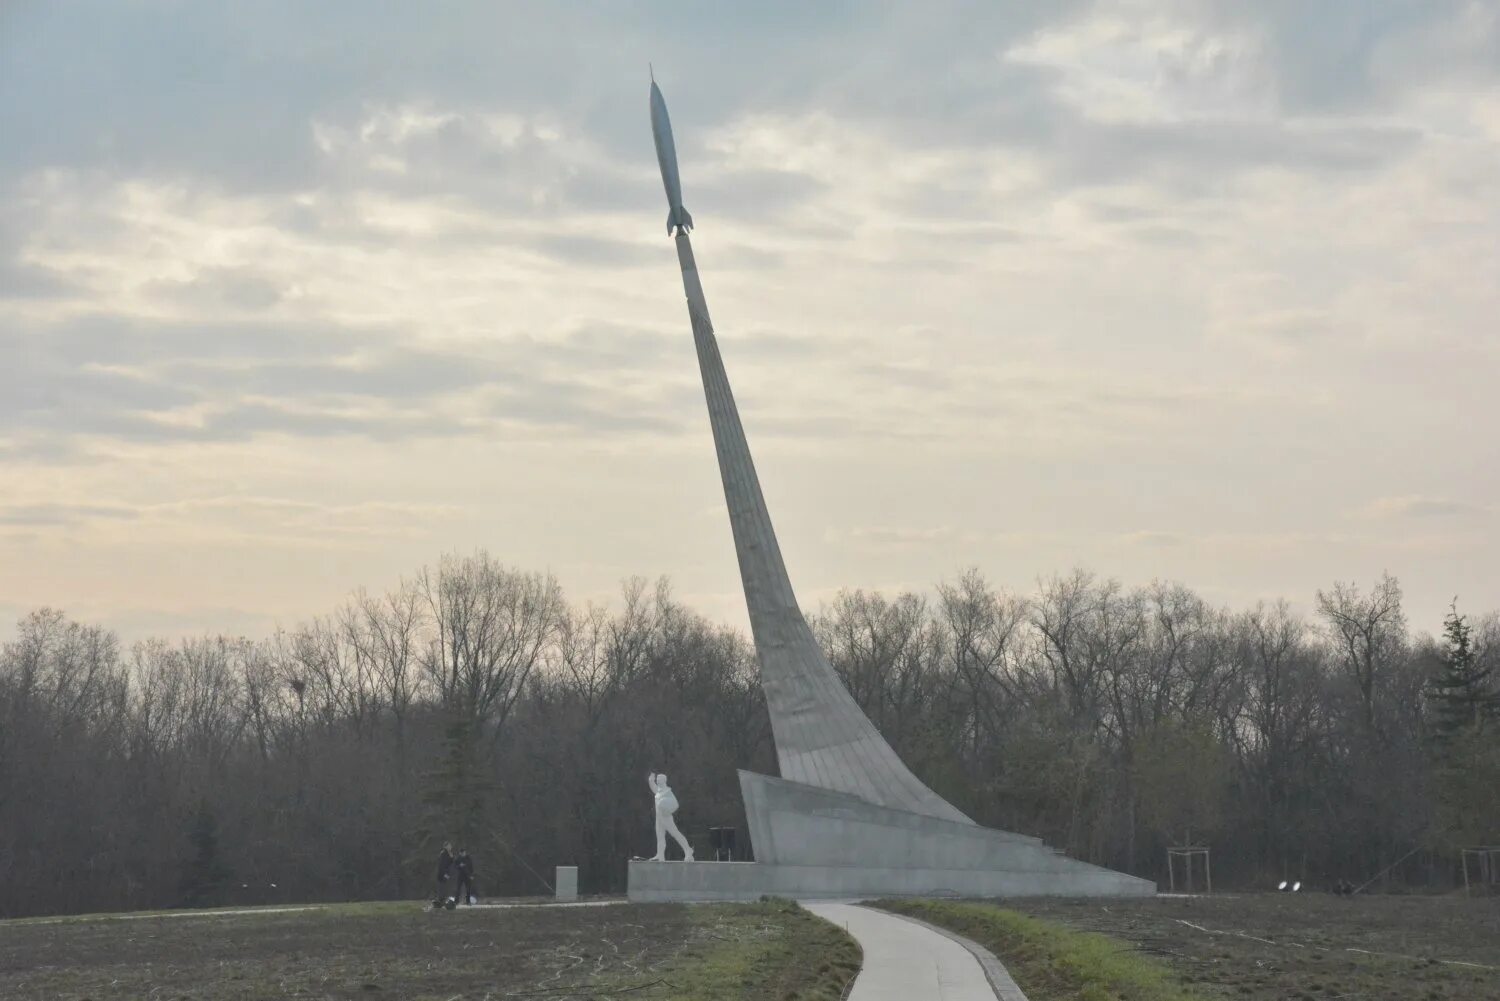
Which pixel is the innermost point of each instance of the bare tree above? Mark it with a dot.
(980, 630)
(493, 628)
(1099, 717)
(1369, 635)
(389, 636)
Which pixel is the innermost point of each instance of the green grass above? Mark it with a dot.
(1050, 962)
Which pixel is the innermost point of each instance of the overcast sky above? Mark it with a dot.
(296, 297)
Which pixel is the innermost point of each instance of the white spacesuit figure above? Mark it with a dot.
(666, 805)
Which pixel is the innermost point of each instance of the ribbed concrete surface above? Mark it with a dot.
(656, 882)
(908, 960)
(822, 737)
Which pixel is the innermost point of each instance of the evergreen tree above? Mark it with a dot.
(459, 792)
(1461, 694)
(205, 877)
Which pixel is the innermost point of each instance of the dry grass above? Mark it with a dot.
(1276, 947)
(767, 952)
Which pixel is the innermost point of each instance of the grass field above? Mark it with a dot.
(772, 951)
(1262, 947)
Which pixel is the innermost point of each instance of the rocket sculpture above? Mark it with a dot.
(822, 737)
(666, 156)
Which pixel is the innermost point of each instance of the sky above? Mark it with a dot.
(296, 298)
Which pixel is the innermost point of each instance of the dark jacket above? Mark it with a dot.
(465, 865)
(445, 865)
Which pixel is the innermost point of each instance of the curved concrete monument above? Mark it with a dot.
(822, 736)
(847, 817)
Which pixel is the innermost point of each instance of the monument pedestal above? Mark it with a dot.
(813, 843)
(850, 819)
(655, 882)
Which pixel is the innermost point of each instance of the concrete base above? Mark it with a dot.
(813, 843)
(566, 883)
(701, 881)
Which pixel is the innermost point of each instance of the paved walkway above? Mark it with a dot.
(547, 903)
(906, 959)
(231, 912)
(132, 916)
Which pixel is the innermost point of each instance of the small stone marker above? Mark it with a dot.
(567, 882)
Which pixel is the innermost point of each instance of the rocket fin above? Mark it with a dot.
(678, 218)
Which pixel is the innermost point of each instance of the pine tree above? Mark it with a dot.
(205, 877)
(458, 794)
(1461, 694)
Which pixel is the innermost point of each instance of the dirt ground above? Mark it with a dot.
(404, 951)
(1273, 947)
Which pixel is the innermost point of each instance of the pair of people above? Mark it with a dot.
(461, 866)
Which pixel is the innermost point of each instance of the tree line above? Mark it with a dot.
(473, 703)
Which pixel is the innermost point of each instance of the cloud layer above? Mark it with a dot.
(293, 298)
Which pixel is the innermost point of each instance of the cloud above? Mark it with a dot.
(1152, 94)
(1416, 506)
(775, 347)
(238, 288)
(102, 376)
(893, 536)
(1152, 539)
(62, 514)
(576, 250)
(229, 517)
(19, 280)
(1142, 66)
(907, 375)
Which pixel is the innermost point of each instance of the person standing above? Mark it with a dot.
(445, 869)
(465, 866)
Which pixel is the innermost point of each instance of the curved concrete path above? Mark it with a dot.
(907, 959)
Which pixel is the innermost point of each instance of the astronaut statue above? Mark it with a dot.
(666, 805)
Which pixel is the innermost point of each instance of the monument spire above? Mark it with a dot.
(822, 737)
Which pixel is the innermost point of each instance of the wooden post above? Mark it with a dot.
(1485, 855)
(1187, 853)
